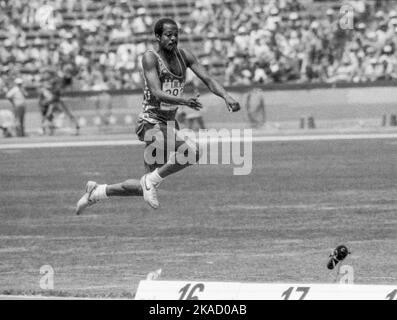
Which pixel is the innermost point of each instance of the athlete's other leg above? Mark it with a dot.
(95, 192)
(133, 187)
(156, 171)
(177, 155)
(188, 150)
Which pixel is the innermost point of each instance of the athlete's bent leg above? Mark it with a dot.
(186, 150)
(182, 154)
(191, 154)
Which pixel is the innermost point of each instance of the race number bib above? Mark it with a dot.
(174, 88)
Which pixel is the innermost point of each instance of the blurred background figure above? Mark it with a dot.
(58, 106)
(255, 106)
(103, 105)
(7, 123)
(17, 96)
(45, 98)
(52, 108)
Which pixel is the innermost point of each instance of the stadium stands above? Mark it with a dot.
(98, 43)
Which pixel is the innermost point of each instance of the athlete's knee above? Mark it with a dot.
(188, 154)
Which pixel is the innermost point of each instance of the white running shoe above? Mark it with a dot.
(150, 192)
(85, 200)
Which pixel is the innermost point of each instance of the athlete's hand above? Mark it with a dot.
(232, 105)
(194, 103)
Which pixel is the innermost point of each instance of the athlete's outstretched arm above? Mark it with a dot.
(149, 64)
(211, 83)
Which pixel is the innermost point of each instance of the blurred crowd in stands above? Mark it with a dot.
(96, 45)
(282, 41)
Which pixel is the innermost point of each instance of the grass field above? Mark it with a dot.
(276, 225)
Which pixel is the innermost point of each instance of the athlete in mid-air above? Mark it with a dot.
(164, 72)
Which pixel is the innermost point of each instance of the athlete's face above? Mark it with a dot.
(169, 39)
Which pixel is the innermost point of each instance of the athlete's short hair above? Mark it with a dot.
(159, 26)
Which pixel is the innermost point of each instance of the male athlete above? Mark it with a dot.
(50, 104)
(164, 72)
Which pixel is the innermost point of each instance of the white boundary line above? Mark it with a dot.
(133, 142)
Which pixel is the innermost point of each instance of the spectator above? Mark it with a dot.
(255, 105)
(69, 45)
(141, 22)
(17, 96)
(103, 102)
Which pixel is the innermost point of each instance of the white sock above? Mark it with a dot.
(154, 177)
(99, 193)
